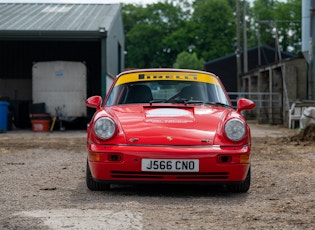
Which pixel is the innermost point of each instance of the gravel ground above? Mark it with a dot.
(42, 186)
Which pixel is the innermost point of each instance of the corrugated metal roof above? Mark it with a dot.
(52, 17)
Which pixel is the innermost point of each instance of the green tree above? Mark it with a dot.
(270, 16)
(288, 16)
(213, 28)
(157, 33)
(147, 30)
(261, 13)
(144, 46)
(187, 60)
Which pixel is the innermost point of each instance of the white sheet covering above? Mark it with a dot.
(308, 117)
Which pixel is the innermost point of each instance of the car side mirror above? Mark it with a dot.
(245, 104)
(94, 102)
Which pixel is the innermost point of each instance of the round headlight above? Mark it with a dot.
(234, 129)
(104, 128)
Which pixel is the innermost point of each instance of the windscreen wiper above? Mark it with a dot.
(185, 101)
(219, 104)
(173, 101)
(157, 101)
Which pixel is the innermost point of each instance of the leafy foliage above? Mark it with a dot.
(187, 60)
(159, 34)
(214, 28)
(271, 17)
(147, 30)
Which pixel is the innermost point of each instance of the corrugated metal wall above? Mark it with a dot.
(36, 32)
(56, 17)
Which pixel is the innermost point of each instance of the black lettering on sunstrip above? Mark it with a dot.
(141, 76)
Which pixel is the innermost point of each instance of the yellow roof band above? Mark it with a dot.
(168, 76)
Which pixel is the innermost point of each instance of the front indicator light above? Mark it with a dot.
(95, 157)
(244, 159)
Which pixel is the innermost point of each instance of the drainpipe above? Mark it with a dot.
(311, 84)
(310, 72)
(238, 49)
(245, 39)
(312, 80)
(103, 35)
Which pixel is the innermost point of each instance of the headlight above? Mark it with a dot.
(234, 129)
(104, 128)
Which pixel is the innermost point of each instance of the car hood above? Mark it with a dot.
(184, 125)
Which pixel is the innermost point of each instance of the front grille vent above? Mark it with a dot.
(169, 175)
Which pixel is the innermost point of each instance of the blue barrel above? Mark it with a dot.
(3, 116)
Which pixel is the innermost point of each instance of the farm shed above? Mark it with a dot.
(226, 67)
(43, 32)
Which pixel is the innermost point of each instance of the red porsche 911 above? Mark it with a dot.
(168, 126)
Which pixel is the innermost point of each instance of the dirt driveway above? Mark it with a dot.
(42, 186)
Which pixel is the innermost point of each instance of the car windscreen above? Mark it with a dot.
(166, 91)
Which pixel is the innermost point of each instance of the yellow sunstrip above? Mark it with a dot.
(168, 76)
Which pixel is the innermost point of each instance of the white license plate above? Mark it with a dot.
(162, 165)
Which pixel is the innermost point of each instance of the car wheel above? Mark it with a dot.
(240, 187)
(92, 184)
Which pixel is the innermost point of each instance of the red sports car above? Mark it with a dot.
(168, 126)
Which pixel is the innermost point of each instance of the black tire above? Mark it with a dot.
(240, 187)
(92, 184)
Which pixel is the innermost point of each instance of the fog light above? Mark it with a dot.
(224, 159)
(114, 157)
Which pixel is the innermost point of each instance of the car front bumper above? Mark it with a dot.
(122, 163)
